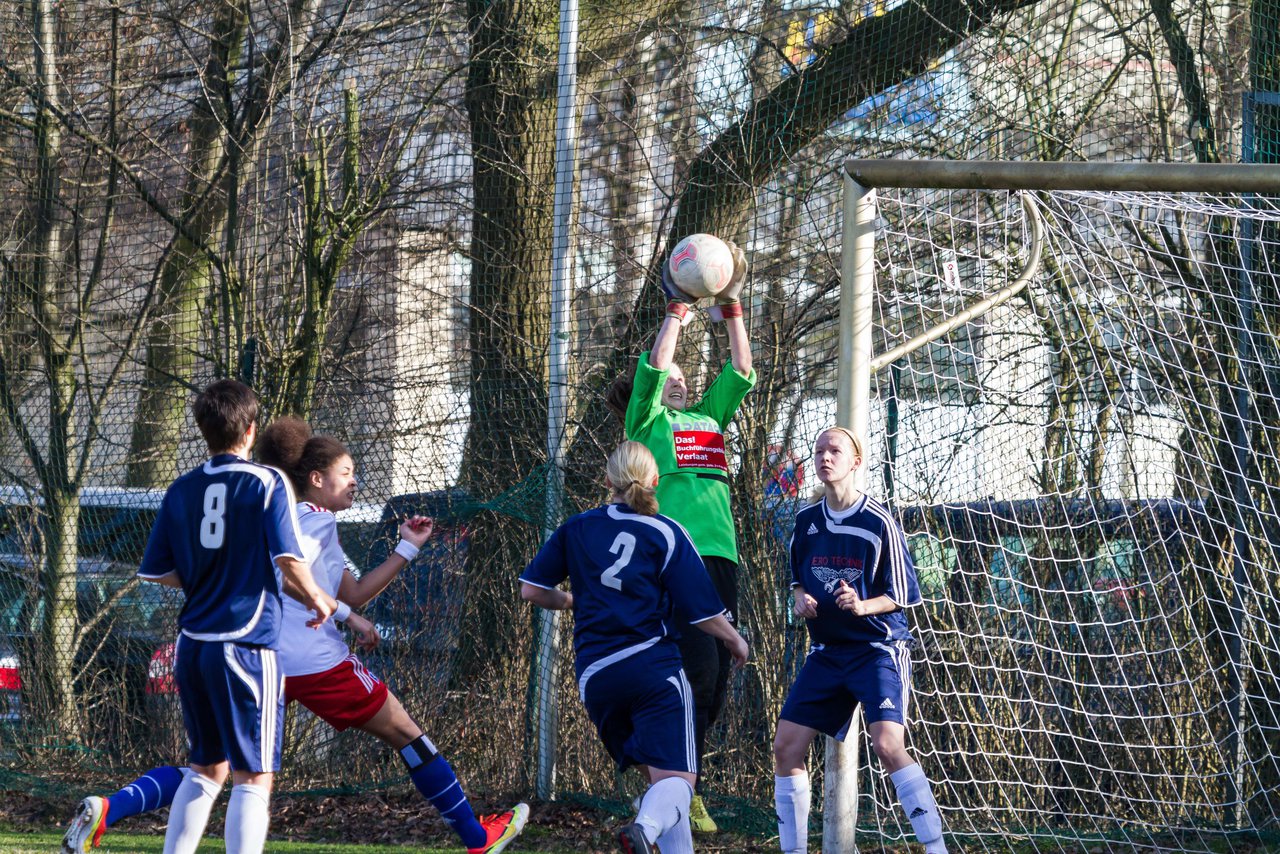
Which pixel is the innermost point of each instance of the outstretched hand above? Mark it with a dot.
(739, 651)
(805, 606)
(322, 606)
(672, 290)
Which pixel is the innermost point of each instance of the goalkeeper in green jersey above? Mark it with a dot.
(687, 440)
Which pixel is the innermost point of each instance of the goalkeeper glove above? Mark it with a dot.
(727, 304)
(679, 303)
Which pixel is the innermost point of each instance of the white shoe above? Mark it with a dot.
(87, 827)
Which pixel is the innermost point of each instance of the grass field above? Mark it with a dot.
(123, 843)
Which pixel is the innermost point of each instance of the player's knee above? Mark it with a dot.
(889, 748)
(788, 751)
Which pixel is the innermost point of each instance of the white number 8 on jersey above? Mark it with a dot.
(213, 527)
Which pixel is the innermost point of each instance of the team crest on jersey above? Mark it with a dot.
(832, 576)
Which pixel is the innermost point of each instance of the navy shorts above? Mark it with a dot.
(642, 707)
(232, 699)
(835, 679)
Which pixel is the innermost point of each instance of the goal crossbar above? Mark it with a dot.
(1102, 177)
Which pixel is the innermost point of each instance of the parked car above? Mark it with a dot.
(129, 622)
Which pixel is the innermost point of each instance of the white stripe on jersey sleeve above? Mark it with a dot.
(897, 558)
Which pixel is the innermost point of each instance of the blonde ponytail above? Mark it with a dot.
(632, 471)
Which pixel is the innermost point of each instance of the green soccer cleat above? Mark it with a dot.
(501, 829)
(699, 820)
(87, 827)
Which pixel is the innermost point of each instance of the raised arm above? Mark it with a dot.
(739, 344)
(414, 533)
(664, 346)
(679, 304)
(728, 309)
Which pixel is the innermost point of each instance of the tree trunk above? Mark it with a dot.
(512, 141)
(59, 627)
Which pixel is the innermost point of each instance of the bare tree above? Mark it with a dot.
(61, 282)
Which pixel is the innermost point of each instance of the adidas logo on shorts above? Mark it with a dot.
(813, 529)
(888, 704)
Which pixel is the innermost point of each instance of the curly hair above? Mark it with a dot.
(288, 444)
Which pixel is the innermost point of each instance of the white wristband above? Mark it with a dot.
(406, 550)
(341, 613)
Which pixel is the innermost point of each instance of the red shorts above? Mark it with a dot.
(346, 695)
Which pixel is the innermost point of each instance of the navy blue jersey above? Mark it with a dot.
(220, 528)
(864, 547)
(627, 573)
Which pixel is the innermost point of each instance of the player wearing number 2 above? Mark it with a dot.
(223, 532)
(852, 577)
(627, 567)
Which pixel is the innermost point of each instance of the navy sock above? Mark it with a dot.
(151, 791)
(439, 785)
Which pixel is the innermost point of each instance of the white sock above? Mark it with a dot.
(665, 806)
(677, 840)
(189, 813)
(791, 799)
(917, 801)
(247, 816)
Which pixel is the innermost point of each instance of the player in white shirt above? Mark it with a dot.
(321, 671)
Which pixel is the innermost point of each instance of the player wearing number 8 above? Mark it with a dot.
(629, 569)
(222, 532)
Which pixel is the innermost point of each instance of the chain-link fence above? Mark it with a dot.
(349, 205)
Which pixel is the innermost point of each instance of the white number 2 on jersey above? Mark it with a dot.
(213, 527)
(626, 544)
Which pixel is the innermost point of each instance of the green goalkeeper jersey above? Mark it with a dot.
(693, 470)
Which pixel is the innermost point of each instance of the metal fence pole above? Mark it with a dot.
(546, 661)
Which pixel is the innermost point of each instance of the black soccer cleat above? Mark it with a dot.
(632, 840)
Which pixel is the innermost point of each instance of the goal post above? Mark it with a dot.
(858, 364)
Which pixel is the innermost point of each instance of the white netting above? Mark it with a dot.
(1087, 475)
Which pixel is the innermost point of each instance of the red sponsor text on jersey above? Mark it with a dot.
(700, 449)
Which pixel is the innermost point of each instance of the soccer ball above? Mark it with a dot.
(701, 265)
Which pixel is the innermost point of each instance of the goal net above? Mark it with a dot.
(1088, 476)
